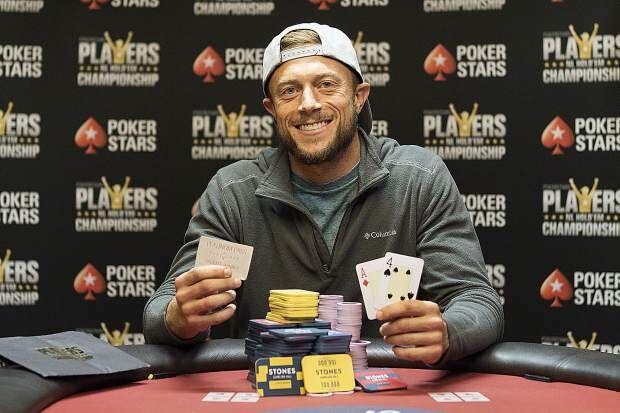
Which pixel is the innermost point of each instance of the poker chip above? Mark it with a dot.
(357, 350)
(328, 310)
(349, 319)
(293, 306)
(320, 394)
(344, 392)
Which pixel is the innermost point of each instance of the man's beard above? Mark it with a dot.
(336, 147)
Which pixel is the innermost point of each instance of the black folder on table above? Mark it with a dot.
(70, 353)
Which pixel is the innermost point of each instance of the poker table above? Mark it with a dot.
(513, 376)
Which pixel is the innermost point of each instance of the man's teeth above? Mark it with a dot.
(313, 126)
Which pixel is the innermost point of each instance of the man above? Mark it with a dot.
(306, 206)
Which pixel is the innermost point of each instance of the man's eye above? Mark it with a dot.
(327, 83)
(288, 91)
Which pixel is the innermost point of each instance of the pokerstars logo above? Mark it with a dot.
(97, 4)
(557, 135)
(19, 133)
(380, 127)
(233, 7)
(586, 343)
(117, 62)
(238, 64)
(472, 61)
(123, 135)
(431, 6)
(324, 5)
(19, 280)
(486, 210)
(591, 288)
(19, 208)
(497, 277)
(374, 60)
(594, 134)
(220, 134)
(120, 281)
(22, 6)
(573, 57)
(115, 207)
(22, 61)
(556, 287)
(580, 209)
(116, 337)
(464, 133)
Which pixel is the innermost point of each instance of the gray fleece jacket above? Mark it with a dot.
(407, 203)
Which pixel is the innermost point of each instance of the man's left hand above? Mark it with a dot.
(416, 329)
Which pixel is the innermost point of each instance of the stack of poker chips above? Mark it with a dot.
(358, 354)
(350, 319)
(334, 342)
(292, 306)
(328, 308)
(272, 339)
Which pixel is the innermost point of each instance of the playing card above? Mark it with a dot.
(445, 397)
(213, 251)
(400, 279)
(369, 274)
(471, 396)
(245, 397)
(218, 396)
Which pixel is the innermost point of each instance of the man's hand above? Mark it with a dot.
(200, 291)
(416, 329)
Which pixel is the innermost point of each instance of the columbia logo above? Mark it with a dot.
(374, 234)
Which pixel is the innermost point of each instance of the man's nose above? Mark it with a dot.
(308, 103)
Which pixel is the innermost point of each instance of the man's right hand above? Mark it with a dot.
(200, 291)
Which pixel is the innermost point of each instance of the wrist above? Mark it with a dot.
(177, 323)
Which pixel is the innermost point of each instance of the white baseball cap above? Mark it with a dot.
(334, 44)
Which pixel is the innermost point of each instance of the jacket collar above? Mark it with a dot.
(277, 184)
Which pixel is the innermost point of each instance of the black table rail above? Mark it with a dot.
(22, 391)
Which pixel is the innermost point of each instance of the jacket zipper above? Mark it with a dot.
(326, 266)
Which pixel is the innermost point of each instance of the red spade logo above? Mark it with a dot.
(439, 62)
(89, 280)
(556, 287)
(94, 4)
(557, 135)
(208, 64)
(323, 4)
(91, 135)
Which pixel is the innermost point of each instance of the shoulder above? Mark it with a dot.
(412, 157)
(251, 171)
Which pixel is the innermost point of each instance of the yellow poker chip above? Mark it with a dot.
(279, 376)
(273, 317)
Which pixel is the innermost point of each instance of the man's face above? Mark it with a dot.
(315, 107)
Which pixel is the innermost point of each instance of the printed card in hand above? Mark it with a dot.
(213, 251)
(369, 275)
(399, 280)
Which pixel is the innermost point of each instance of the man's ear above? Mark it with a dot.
(268, 104)
(361, 95)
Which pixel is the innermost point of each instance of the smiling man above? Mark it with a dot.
(306, 206)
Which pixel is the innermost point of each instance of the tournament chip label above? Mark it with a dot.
(279, 376)
(328, 373)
